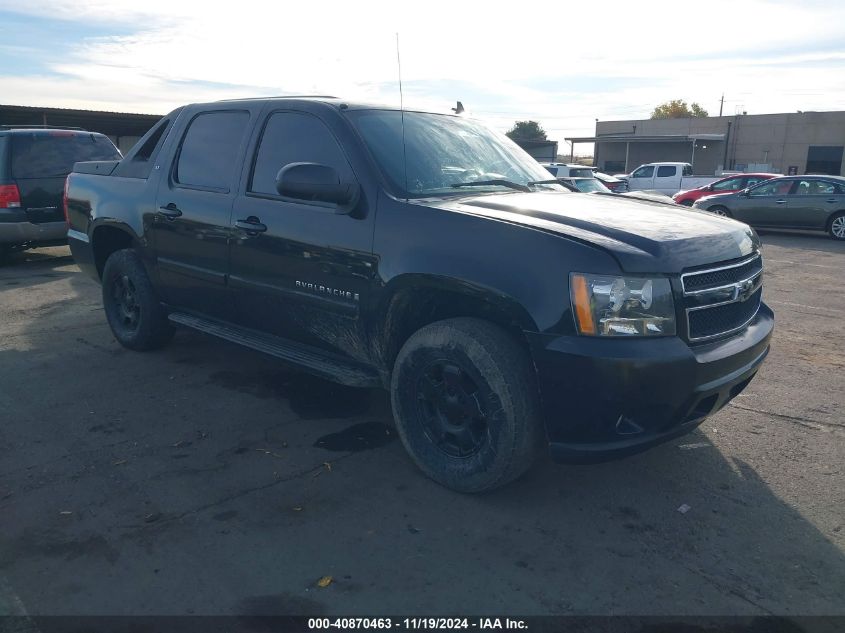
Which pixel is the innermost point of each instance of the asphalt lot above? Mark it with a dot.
(207, 479)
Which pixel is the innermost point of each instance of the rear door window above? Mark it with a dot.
(209, 153)
(52, 154)
(666, 171)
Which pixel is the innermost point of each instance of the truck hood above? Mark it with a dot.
(642, 236)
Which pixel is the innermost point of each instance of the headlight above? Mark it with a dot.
(622, 306)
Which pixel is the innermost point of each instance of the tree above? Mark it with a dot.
(678, 109)
(527, 131)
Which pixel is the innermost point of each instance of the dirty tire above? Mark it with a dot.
(134, 312)
(836, 226)
(720, 210)
(466, 404)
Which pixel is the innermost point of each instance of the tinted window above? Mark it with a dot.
(4, 167)
(644, 172)
(139, 162)
(209, 151)
(687, 170)
(576, 172)
(730, 184)
(666, 171)
(750, 182)
(293, 137)
(773, 188)
(52, 154)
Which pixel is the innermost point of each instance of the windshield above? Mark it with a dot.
(588, 185)
(444, 153)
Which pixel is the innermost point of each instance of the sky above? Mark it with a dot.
(564, 64)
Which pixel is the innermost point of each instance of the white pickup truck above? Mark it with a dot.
(668, 178)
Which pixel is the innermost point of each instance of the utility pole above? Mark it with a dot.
(721, 104)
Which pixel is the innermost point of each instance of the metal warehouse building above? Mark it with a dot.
(798, 143)
(124, 129)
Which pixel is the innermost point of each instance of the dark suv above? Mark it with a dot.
(34, 163)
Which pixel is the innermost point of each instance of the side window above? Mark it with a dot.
(139, 161)
(728, 185)
(687, 170)
(146, 151)
(822, 188)
(209, 152)
(666, 171)
(646, 171)
(773, 188)
(294, 137)
(750, 182)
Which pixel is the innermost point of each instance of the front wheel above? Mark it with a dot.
(720, 210)
(134, 312)
(687, 202)
(466, 404)
(836, 228)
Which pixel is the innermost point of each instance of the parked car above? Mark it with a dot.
(729, 184)
(616, 185)
(594, 185)
(33, 165)
(429, 255)
(787, 202)
(668, 178)
(568, 170)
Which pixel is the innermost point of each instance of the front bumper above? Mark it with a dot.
(607, 398)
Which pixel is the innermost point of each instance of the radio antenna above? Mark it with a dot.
(402, 115)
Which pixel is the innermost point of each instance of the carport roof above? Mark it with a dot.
(642, 138)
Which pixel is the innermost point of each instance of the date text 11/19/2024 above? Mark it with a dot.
(415, 624)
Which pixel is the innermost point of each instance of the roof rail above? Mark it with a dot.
(41, 127)
(283, 97)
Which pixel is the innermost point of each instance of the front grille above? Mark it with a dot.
(711, 278)
(722, 300)
(725, 318)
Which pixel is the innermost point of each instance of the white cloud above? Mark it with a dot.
(488, 54)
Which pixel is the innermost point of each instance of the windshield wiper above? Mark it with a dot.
(553, 181)
(498, 181)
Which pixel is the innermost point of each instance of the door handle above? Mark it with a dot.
(170, 211)
(781, 201)
(251, 225)
(831, 200)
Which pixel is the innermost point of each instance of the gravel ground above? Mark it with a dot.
(208, 479)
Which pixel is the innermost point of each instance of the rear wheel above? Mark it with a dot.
(836, 228)
(466, 404)
(720, 210)
(134, 312)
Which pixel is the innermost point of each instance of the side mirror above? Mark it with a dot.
(313, 182)
(745, 193)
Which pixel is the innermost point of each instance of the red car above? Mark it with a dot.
(728, 184)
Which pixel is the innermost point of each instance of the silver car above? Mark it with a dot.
(789, 202)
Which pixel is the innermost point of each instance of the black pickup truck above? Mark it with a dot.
(428, 255)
